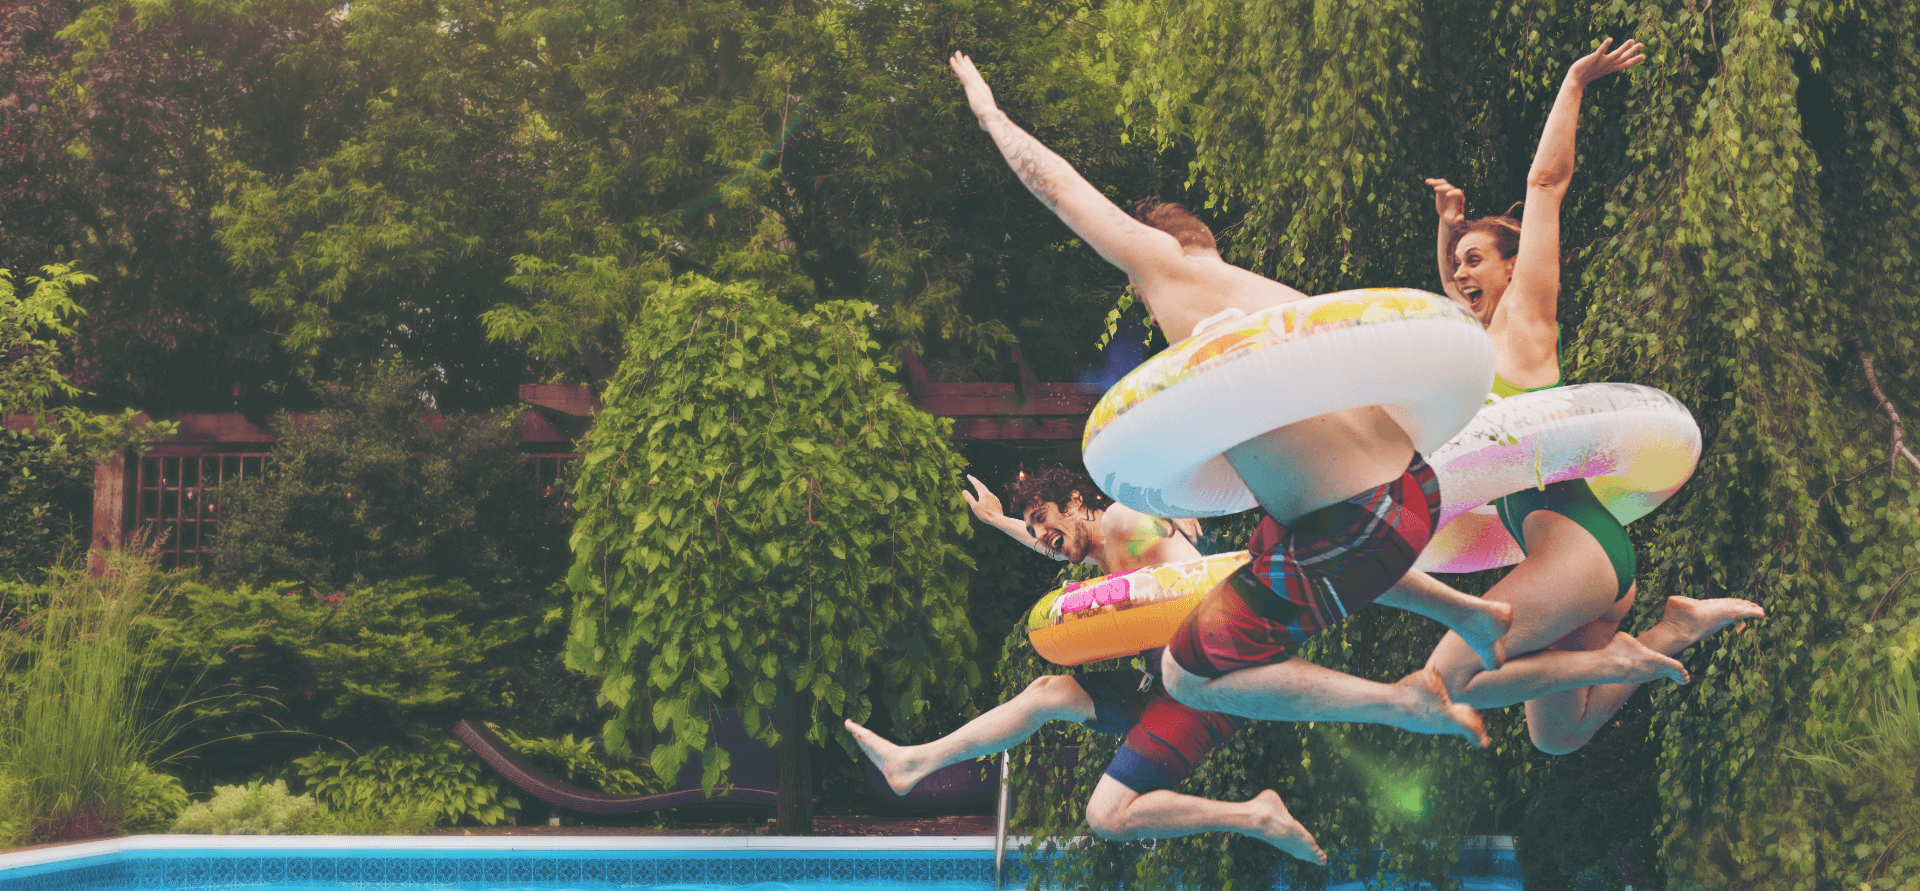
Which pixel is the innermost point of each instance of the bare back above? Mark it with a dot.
(1302, 467)
(1183, 289)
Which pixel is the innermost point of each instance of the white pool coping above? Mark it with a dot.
(502, 843)
(505, 843)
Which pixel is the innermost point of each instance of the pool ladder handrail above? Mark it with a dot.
(1000, 823)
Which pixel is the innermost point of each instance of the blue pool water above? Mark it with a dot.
(175, 863)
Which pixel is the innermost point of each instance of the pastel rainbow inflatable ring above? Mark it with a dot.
(1155, 441)
(1124, 613)
(1634, 445)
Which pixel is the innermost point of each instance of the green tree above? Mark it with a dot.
(765, 523)
(49, 447)
(126, 124)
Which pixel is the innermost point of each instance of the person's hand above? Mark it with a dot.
(1601, 63)
(979, 96)
(985, 504)
(1449, 202)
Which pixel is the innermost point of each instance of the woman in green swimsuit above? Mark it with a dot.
(1568, 660)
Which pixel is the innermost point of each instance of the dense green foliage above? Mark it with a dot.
(340, 181)
(46, 468)
(1740, 234)
(766, 523)
(371, 489)
(379, 664)
(79, 726)
(580, 763)
(442, 783)
(252, 809)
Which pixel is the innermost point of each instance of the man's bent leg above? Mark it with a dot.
(1117, 813)
(1298, 690)
(1049, 698)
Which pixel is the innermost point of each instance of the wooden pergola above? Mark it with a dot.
(1027, 408)
(167, 487)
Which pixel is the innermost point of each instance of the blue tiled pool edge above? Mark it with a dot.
(213, 863)
(202, 863)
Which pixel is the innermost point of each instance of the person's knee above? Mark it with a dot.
(1554, 742)
(1054, 691)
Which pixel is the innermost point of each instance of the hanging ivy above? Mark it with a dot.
(1741, 233)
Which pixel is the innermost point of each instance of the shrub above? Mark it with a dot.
(154, 799)
(367, 491)
(765, 522)
(46, 474)
(441, 781)
(77, 728)
(577, 762)
(380, 664)
(254, 809)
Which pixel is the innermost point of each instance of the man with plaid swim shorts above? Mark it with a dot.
(1174, 266)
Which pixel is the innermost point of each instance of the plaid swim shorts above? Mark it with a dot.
(1304, 578)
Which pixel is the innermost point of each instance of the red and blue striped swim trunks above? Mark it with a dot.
(1165, 741)
(1304, 578)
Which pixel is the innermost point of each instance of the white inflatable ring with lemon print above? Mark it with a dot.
(1155, 441)
(1124, 613)
(1634, 445)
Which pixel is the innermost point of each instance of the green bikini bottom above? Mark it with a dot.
(1574, 500)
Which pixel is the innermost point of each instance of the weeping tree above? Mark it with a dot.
(1740, 233)
(765, 523)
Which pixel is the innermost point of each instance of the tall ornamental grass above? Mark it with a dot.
(77, 732)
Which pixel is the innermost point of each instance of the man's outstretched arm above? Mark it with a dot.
(986, 507)
(1140, 250)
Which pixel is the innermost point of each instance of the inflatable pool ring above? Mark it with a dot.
(1634, 445)
(1124, 613)
(1155, 440)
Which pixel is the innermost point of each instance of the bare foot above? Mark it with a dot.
(1637, 664)
(1273, 824)
(1695, 620)
(1486, 632)
(1429, 710)
(901, 771)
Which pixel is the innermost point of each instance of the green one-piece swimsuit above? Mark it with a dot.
(1572, 499)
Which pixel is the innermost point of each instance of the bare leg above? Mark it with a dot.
(1117, 813)
(1594, 653)
(1049, 698)
(1298, 690)
(1623, 660)
(1480, 623)
(1565, 582)
(1563, 723)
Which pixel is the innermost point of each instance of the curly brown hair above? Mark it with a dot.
(1175, 220)
(1055, 484)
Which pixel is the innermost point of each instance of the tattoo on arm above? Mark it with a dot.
(1029, 159)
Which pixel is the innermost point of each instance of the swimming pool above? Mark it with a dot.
(530, 863)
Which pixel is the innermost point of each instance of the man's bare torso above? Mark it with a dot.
(1133, 539)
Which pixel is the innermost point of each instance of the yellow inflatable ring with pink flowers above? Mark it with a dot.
(1123, 613)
